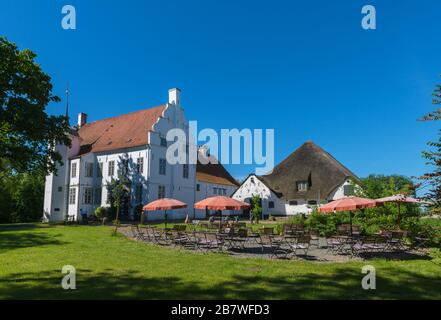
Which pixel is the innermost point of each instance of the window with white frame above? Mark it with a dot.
(97, 196)
(100, 170)
(72, 195)
(140, 165)
(108, 197)
(87, 196)
(161, 192)
(215, 190)
(185, 171)
(73, 170)
(162, 166)
(302, 186)
(111, 169)
(348, 190)
(88, 172)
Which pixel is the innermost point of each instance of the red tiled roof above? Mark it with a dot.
(214, 173)
(125, 131)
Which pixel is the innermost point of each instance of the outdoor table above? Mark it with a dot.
(237, 242)
(346, 244)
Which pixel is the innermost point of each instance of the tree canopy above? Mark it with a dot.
(27, 133)
(433, 155)
(378, 186)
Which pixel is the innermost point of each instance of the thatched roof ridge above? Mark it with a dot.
(311, 164)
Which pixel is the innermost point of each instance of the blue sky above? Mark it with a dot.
(305, 68)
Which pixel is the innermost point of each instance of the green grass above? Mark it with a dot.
(32, 256)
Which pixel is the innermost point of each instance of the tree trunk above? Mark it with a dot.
(117, 217)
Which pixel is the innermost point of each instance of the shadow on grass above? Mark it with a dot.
(21, 226)
(344, 283)
(403, 255)
(16, 240)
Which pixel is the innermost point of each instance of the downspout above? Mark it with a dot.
(79, 189)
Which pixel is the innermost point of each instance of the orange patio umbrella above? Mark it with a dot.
(164, 204)
(221, 203)
(399, 199)
(348, 204)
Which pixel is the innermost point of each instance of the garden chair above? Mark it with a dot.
(214, 241)
(200, 241)
(343, 230)
(356, 230)
(287, 229)
(336, 244)
(238, 239)
(192, 241)
(421, 240)
(142, 234)
(302, 244)
(396, 241)
(135, 232)
(315, 238)
(228, 237)
(178, 238)
(267, 241)
(369, 244)
(156, 236)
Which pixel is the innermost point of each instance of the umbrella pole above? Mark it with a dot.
(165, 214)
(399, 213)
(220, 221)
(350, 222)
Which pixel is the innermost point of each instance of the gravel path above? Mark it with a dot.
(316, 253)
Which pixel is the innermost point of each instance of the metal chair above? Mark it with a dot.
(267, 241)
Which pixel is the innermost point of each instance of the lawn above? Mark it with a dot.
(32, 256)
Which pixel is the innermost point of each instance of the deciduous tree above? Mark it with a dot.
(433, 155)
(27, 133)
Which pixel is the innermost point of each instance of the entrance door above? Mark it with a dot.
(125, 205)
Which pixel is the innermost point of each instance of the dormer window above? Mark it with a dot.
(302, 186)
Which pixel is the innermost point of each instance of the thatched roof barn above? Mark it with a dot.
(308, 164)
(307, 177)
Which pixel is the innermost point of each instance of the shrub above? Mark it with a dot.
(257, 207)
(100, 212)
(297, 219)
(325, 224)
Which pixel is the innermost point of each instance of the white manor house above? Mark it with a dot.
(135, 145)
